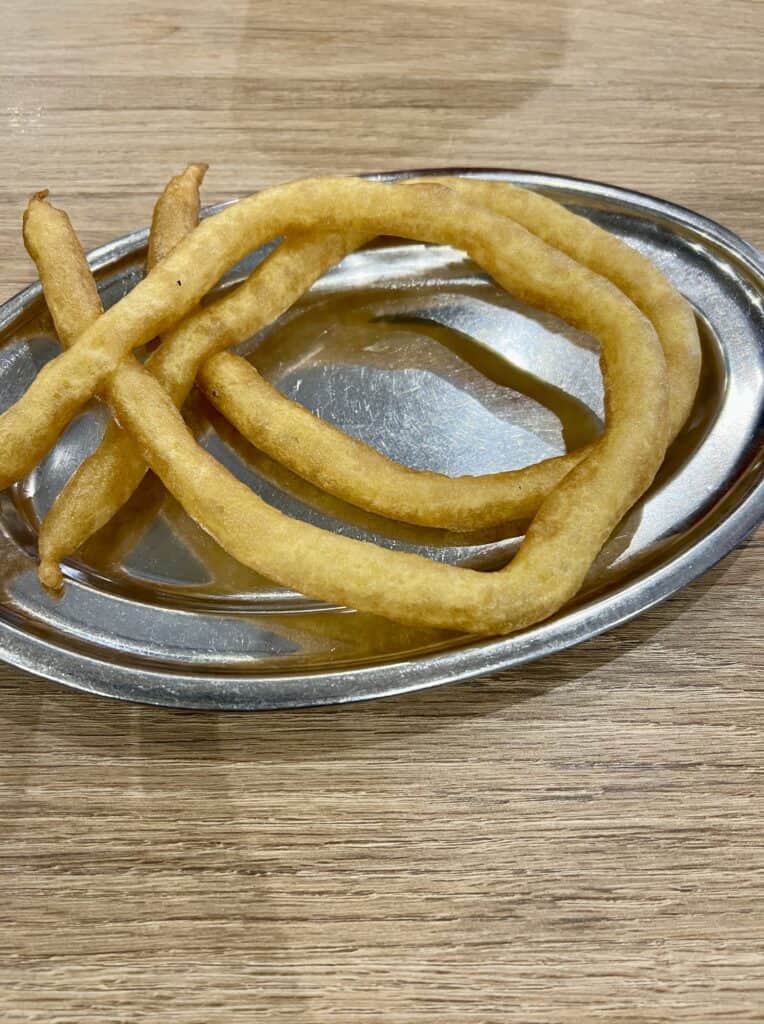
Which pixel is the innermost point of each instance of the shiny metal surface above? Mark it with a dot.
(415, 351)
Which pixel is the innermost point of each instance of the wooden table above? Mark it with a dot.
(579, 840)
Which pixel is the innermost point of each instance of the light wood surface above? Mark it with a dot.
(579, 840)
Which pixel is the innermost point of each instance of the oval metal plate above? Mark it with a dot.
(414, 350)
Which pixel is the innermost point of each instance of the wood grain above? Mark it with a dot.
(578, 840)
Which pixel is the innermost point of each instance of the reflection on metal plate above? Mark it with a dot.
(412, 349)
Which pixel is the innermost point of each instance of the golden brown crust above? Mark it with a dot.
(315, 449)
(573, 521)
(70, 288)
(176, 213)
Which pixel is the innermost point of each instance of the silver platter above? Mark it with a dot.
(414, 350)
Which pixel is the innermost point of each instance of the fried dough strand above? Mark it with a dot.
(329, 458)
(573, 521)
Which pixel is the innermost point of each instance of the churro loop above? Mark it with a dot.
(326, 456)
(572, 522)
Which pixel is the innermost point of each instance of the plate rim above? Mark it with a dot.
(392, 677)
